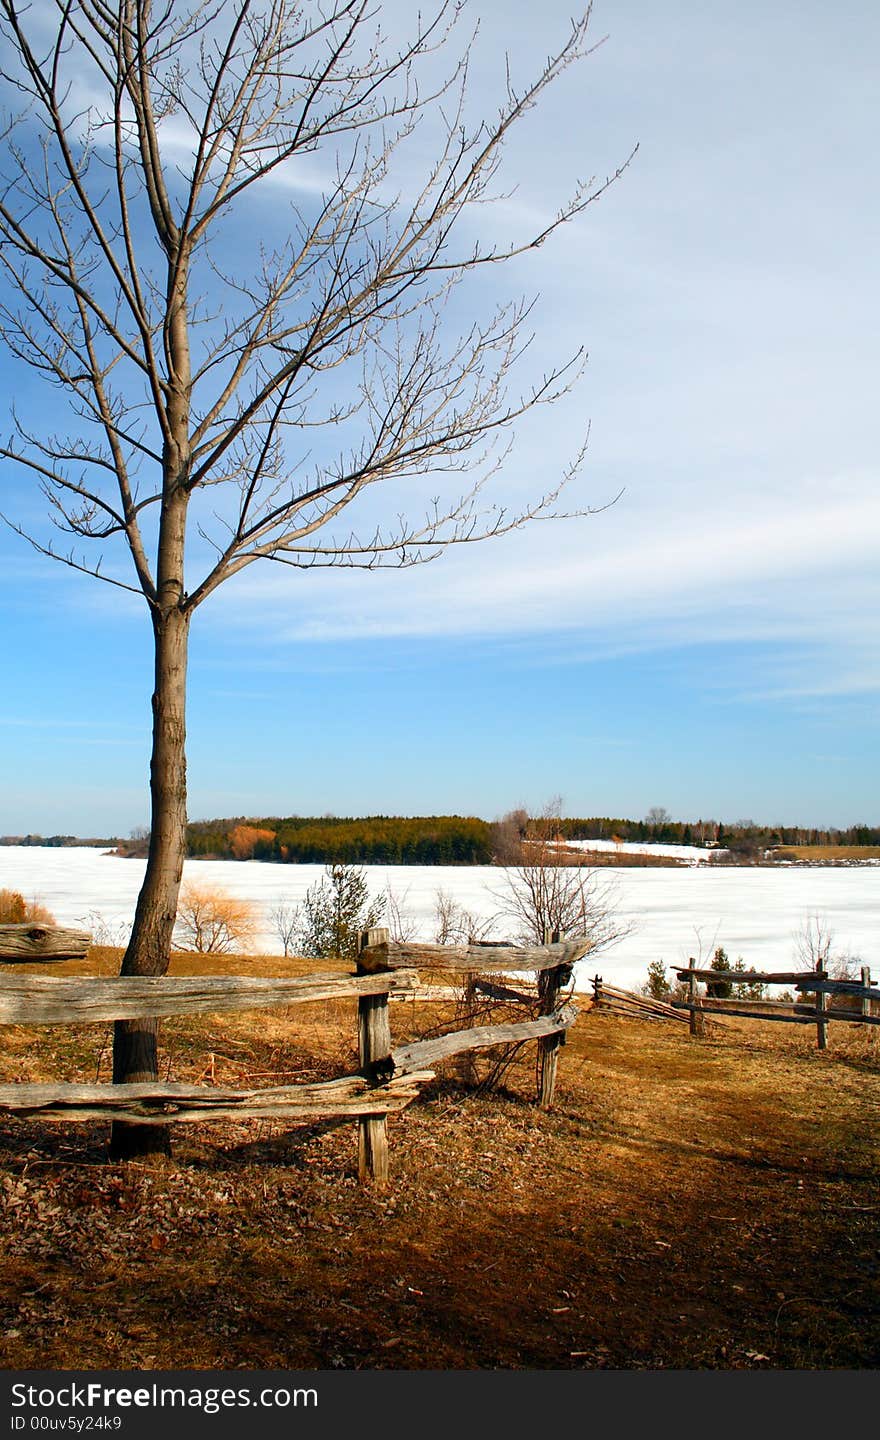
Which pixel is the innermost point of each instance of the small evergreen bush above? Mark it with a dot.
(335, 910)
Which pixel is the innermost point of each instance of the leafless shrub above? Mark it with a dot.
(454, 925)
(213, 923)
(814, 947)
(813, 943)
(286, 920)
(104, 932)
(401, 925)
(846, 966)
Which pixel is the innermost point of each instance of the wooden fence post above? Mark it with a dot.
(697, 1026)
(866, 999)
(821, 1007)
(548, 1048)
(468, 1063)
(374, 1048)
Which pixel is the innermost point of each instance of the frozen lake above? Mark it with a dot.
(673, 913)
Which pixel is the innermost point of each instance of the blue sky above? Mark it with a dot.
(709, 642)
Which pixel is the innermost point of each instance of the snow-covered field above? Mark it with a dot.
(693, 854)
(673, 913)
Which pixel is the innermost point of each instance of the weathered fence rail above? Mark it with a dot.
(817, 982)
(626, 1002)
(33, 1000)
(394, 954)
(25, 944)
(168, 1103)
(389, 1079)
(481, 1037)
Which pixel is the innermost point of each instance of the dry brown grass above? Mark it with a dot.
(688, 1203)
(823, 853)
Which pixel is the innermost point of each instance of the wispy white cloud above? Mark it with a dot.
(777, 569)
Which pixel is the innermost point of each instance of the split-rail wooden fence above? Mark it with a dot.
(390, 1077)
(862, 995)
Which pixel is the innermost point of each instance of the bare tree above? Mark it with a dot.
(545, 897)
(196, 377)
(545, 893)
(508, 834)
(814, 943)
(213, 923)
(401, 924)
(454, 925)
(286, 922)
(815, 949)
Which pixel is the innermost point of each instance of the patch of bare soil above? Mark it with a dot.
(688, 1203)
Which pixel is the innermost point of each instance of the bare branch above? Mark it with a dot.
(189, 111)
(70, 560)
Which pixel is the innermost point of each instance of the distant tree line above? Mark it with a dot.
(469, 840)
(54, 841)
(369, 840)
(454, 839)
(664, 830)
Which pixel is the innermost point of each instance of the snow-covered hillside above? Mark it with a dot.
(689, 854)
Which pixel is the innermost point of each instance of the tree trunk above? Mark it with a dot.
(149, 949)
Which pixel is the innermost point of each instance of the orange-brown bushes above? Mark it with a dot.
(15, 910)
(212, 922)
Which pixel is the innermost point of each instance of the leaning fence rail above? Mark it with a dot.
(390, 1077)
(615, 1001)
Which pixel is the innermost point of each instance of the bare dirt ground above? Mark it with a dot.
(688, 1204)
